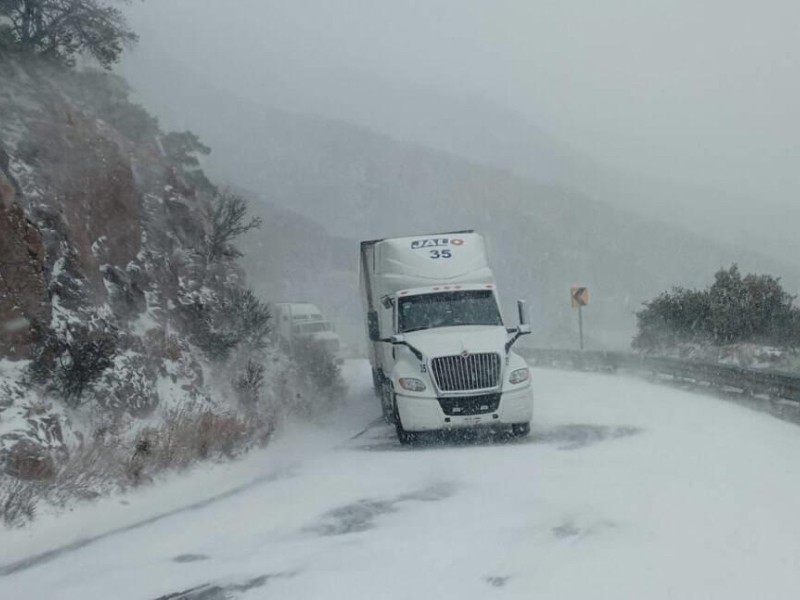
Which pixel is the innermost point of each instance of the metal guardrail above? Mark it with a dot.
(774, 391)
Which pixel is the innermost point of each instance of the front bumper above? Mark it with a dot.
(426, 414)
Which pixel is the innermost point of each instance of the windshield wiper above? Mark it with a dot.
(420, 328)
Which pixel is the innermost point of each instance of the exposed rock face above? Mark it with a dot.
(89, 182)
(70, 222)
(24, 299)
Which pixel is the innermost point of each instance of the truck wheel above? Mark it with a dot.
(377, 382)
(406, 437)
(521, 429)
(387, 404)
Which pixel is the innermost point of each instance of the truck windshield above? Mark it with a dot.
(448, 309)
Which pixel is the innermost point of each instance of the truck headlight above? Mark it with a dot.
(412, 384)
(520, 375)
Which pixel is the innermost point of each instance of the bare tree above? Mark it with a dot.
(61, 29)
(228, 221)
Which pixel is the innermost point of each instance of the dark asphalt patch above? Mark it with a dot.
(187, 558)
(217, 591)
(360, 516)
(353, 518)
(576, 436)
(497, 582)
(437, 491)
(569, 530)
(566, 530)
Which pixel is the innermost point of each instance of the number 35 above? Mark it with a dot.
(441, 254)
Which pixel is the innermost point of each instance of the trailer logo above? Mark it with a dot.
(429, 243)
(436, 243)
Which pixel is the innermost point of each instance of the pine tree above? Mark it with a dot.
(60, 30)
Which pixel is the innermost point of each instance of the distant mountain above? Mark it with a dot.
(488, 133)
(359, 185)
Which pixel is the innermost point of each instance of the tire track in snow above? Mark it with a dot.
(50, 555)
(44, 557)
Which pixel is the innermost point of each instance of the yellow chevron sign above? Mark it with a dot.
(579, 296)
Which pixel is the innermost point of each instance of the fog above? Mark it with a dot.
(702, 95)
(679, 113)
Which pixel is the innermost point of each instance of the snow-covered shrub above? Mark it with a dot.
(219, 322)
(734, 309)
(93, 468)
(69, 361)
(250, 381)
(84, 358)
(246, 317)
(17, 500)
(186, 435)
(318, 382)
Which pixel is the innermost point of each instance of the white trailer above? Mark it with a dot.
(441, 356)
(302, 320)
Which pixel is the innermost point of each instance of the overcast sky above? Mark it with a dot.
(701, 90)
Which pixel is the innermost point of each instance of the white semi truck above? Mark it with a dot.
(302, 320)
(441, 356)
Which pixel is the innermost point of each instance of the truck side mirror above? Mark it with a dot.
(522, 311)
(524, 327)
(372, 325)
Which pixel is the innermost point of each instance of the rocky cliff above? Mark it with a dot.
(112, 308)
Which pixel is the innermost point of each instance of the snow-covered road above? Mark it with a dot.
(625, 490)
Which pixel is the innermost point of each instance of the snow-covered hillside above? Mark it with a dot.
(127, 330)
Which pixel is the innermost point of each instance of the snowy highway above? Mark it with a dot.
(625, 489)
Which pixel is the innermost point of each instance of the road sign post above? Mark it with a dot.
(579, 297)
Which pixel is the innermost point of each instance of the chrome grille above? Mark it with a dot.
(464, 373)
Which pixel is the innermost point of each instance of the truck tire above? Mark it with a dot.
(377, 381)
(520, 429)
(406, 438)
(387, 403)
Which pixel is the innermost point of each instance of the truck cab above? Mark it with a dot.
(303, 320)
(441, 355)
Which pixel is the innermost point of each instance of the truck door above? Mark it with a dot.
(387, 320)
